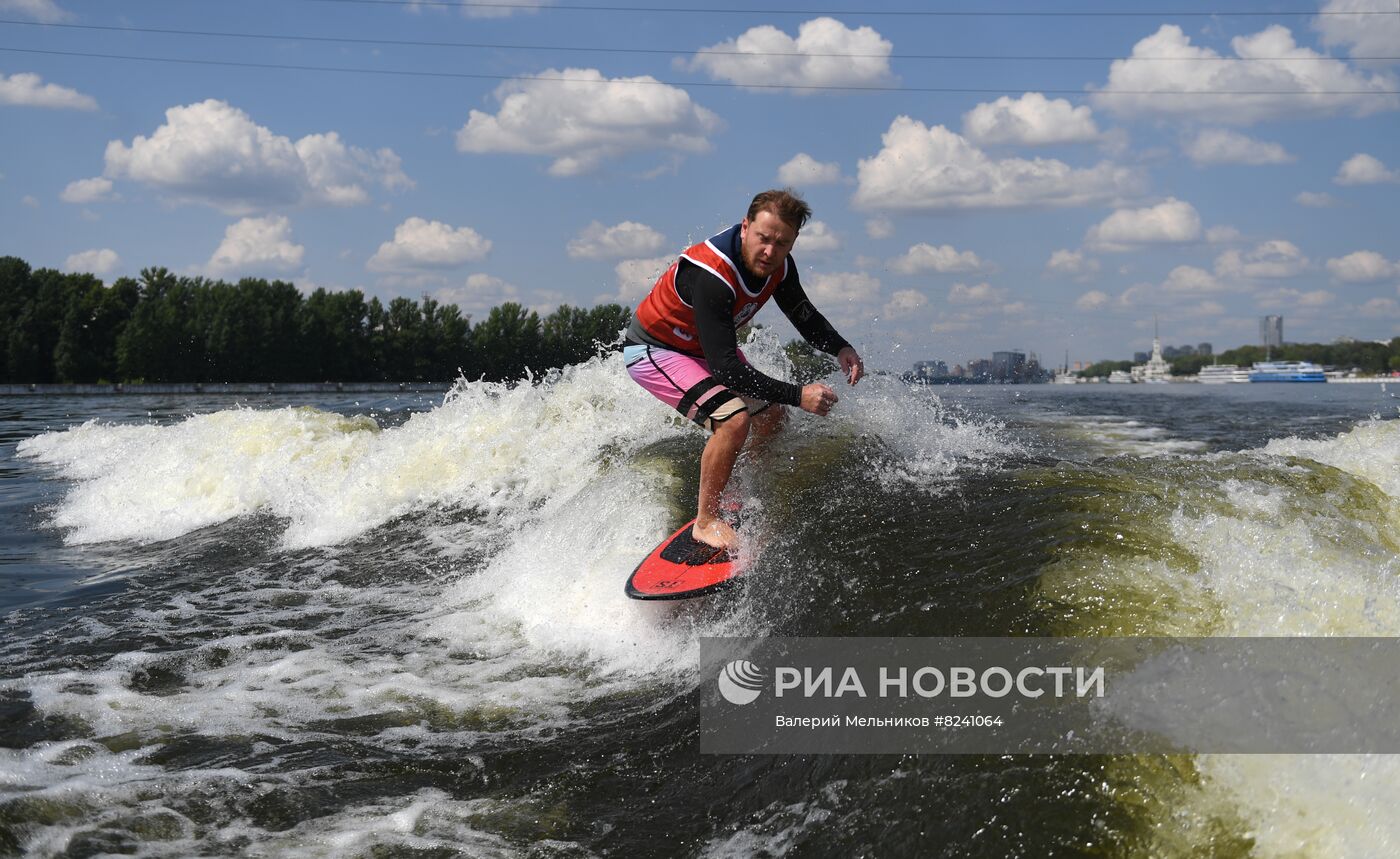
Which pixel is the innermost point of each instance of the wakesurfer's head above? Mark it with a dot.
(770, 229)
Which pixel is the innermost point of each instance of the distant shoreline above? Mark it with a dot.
(227, 388)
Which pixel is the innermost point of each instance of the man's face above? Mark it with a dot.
(766, 242)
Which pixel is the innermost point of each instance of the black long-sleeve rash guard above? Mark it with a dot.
(713, 303)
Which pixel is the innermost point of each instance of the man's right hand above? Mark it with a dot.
(817, 398)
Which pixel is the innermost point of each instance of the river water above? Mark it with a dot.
(336, 627)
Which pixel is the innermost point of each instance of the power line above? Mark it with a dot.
(924, 13)
(708, 84)
(416, 43)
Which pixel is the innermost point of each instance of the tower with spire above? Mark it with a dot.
(1156, 370)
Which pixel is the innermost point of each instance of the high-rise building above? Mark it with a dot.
(1271, 332)
(1007, 365)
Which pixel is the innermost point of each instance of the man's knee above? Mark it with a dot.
(735, 427)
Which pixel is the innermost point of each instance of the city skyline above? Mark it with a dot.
(1046, 182)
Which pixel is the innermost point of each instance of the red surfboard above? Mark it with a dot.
(682, 567)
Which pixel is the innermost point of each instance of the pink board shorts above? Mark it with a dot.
(686, 384)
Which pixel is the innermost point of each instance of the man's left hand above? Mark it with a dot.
(851, 365)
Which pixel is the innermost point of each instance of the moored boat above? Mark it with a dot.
(1222, 374)
(1286, 371)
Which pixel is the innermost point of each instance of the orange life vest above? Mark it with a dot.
(667, 317)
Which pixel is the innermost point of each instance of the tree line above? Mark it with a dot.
(58, 327)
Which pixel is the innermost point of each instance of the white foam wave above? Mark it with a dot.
(1370, 451)
(1282, 548)
(1125, 436)
(487, 447)
(428, 821)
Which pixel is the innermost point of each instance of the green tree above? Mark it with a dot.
(565, 337)
(22, 349)
(608, 321)
(77, 355)
(1189, 365)
(157, 344)
(403, 340)
(1103, 368)
(16, 292)
(507, 342)
(334, 331)
(449, 341)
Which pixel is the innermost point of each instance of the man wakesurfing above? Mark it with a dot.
(682, 345)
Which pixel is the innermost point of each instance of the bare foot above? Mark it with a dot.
(715, 532)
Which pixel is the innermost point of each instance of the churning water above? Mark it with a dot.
(398, 628)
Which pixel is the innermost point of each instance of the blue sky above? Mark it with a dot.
(561, 155)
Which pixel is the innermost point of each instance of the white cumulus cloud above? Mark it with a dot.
(422, 244)
(817, 237)
(1204, 309)
(1074, 264)
(493, 9)
(1031, 120)
(1222, 146)
(213, 153)
(803, 170)
(99, 261)
(1223, 234)
(904, 301)
(25, 89)
(46, 11)
(83, 191)
(1362, 267)
(847, 298)
(923, 169)
(478, 294)
(627, 239)
(982, 293)
(1315, 199)
(1094, 299)
(1190, 280)
(1363, 169)
(1170, 221)
(1273, 298)
(256, 246)
(635, 277)
(879, 228)
(825, 53)
(840, 288)
(335, 171)
(580, 119)
(1380, 307)
(1271, 259)
(1268, 62)
(1362, 35)
(942, 259)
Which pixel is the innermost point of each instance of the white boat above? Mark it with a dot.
(1286, 371)
(1222, 374)
(1120, 377)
